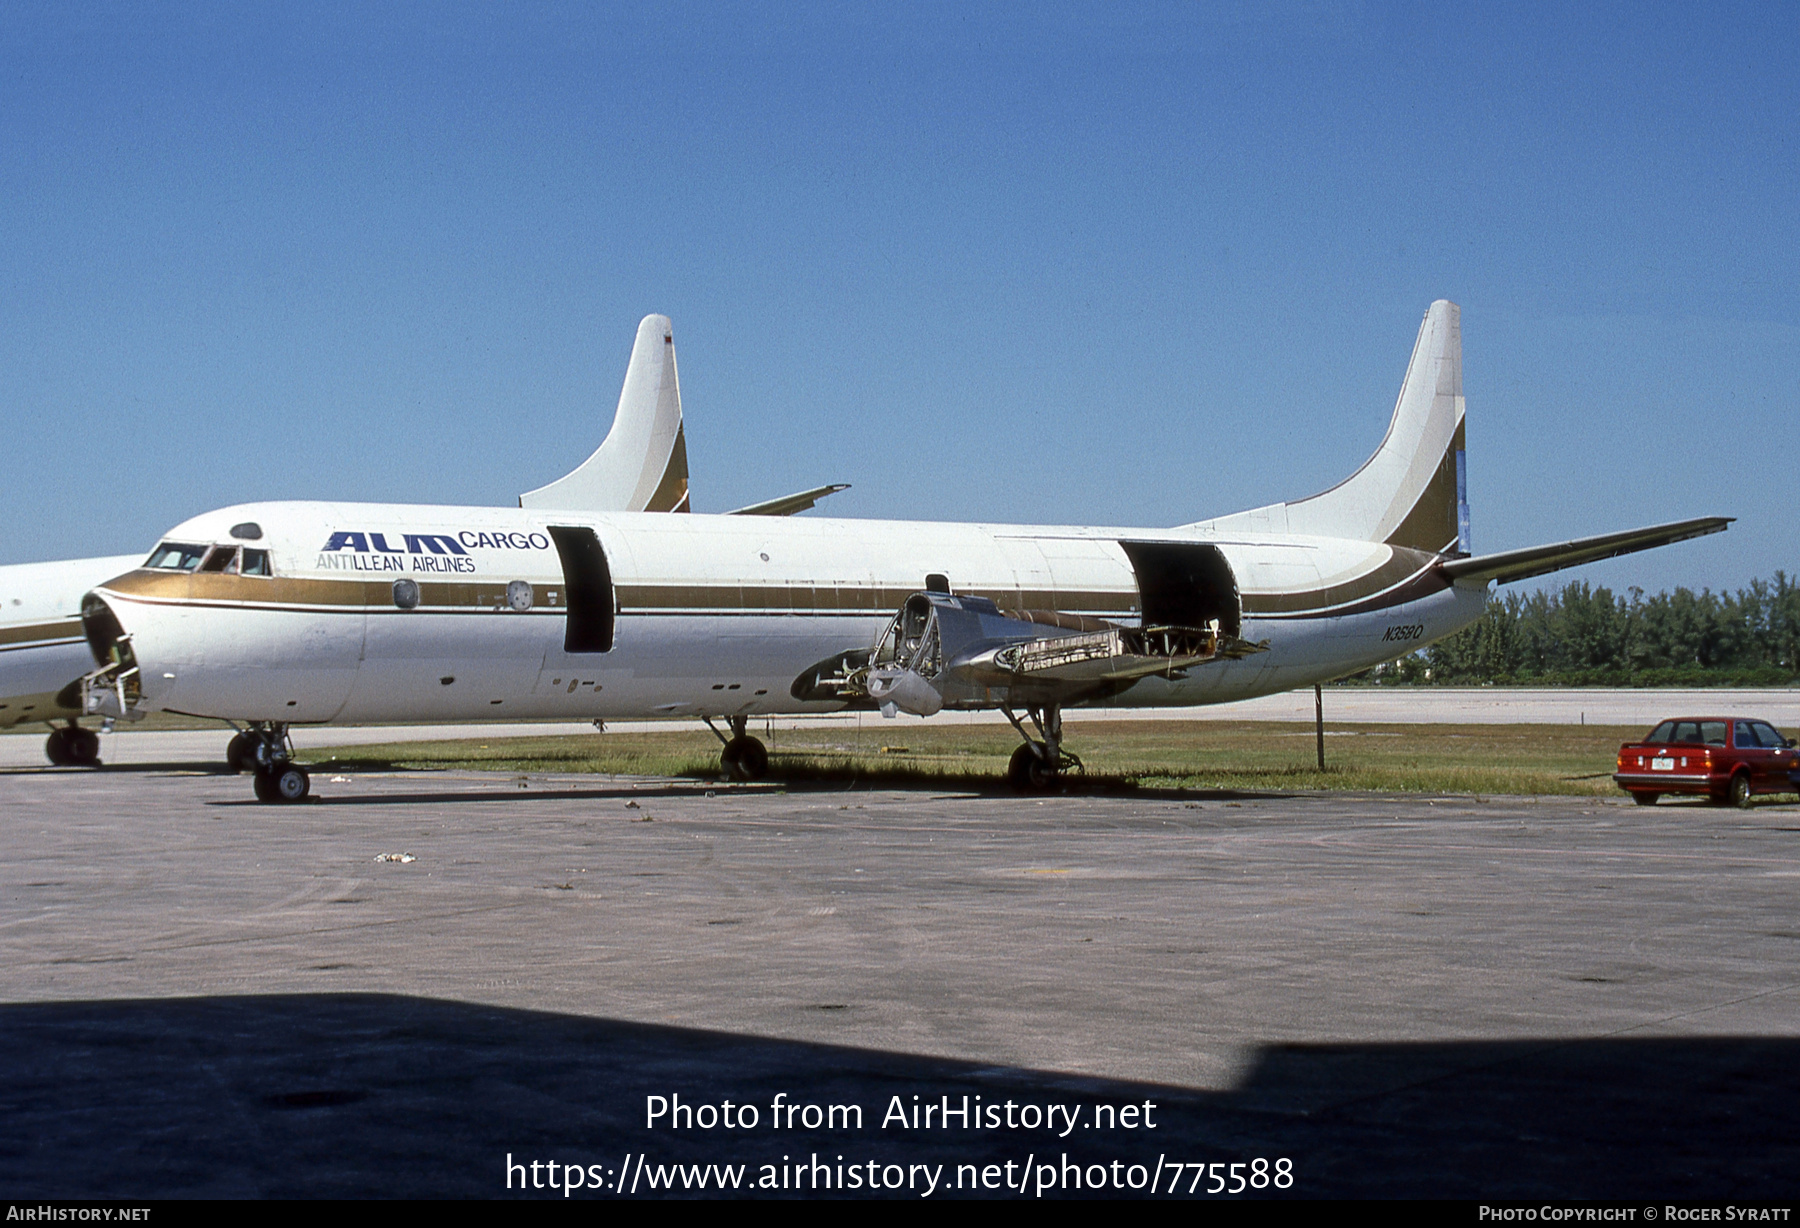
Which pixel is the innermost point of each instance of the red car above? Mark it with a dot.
(1728, 758)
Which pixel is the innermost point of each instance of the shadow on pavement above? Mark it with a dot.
(371, 1095)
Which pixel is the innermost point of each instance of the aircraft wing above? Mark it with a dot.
(1510, 565)
(787, 505)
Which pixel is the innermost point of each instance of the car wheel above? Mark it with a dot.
(1739, 794)
(1645, 799)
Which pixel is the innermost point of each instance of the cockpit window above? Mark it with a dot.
(176, 556)
(235, 560)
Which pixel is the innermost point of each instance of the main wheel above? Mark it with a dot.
(240, 753)
(84, 747)
(1645, 799)
(1027, 772)
(1739, 793)
(56, 748)
(744, 758)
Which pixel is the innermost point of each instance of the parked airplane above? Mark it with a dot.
(641, 466)
(43, 653)
(377, 612)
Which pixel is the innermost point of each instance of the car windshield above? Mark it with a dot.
(176, 556)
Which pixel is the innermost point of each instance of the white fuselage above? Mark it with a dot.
(715, 615)
(42, 648)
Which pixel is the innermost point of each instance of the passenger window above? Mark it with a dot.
(1770, 738)
(1712, 732)
(176, 556)
(256, 563)
(1662, 733)
(1744, 738)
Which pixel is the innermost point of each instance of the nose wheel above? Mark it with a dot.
(73, 746)
(240, 753)
(270, 756)
(285, 783)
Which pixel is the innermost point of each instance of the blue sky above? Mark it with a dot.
(1060, 263)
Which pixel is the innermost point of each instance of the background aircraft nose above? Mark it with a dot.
(105, 636)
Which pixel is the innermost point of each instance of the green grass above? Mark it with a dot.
(1261, 755)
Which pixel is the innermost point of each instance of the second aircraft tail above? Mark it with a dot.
(1413, 491)
(641, 466)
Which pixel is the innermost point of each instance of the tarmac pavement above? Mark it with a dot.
(390, 989)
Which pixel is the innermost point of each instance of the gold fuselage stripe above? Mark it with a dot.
(1405, 575)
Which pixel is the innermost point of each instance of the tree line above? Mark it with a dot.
(1583, 636)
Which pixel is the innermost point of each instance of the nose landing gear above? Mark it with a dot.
(268, 753)
(1036, 766)
(73, 746)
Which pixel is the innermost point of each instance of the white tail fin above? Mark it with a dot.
(1413, 491)
(642, 464)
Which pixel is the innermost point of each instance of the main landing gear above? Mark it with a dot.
(1035, 766)
(73, 746)
(743, 758)
(264, 749)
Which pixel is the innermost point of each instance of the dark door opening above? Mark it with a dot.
(1185, 584)
(587, 581)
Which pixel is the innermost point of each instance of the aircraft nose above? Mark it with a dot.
(115, 688)
(106, 636)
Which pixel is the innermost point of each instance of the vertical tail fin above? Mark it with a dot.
(1413, 491)
(641, 466)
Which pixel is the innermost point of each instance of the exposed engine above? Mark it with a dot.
(943, 651)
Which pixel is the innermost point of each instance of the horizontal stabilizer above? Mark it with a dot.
(787, 505)
(1509, 565)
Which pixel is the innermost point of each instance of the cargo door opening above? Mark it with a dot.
(1185, 584)
(587, 583)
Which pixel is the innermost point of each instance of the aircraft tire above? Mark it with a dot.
(1027, 772)
(56, 748)
(292, 784)
(745, 758)
(84, 747)
(240, 753)
(285, 782)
